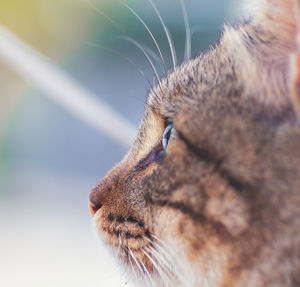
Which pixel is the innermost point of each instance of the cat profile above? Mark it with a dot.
(209, 193)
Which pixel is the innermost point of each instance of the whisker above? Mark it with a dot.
(122, 271)
(156, 253)
(122, 56)
(97, 9)
(158, 250)
(119, 27)
(140, 47)
(148, 274)
(171, 44)
(142, 267)
(161, 242)
(168, 263)
(163, 274)
(158, 239)
(166, 258)
(134, 272)
(152, 54)
(188, 38)
(161, 259)
(136, 262)
(150, 33)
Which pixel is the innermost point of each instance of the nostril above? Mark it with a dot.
(99, 196)
(96, 200)
(94, 208)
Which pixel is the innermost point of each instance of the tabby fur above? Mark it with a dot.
(221, 205)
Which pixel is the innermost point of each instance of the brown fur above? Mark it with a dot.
(224, 198)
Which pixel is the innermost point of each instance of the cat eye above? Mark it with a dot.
(169, 131)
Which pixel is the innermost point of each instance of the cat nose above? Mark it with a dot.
(97, 198)
(94, 208)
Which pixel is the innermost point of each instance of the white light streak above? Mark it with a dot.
(59, 87)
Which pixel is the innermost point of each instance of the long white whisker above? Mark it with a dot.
(139, 46)
(164, 275)
(155, 237)
(132, 267)
(167, 262)
(63, 90)
(188, 38)
(171, 44)
(152, 54)
(158, 242)
(148, 274)
(155, 245)
(158, 250)
(136, 262)
(122, 272)
(155, 252)
(139, 266)
(161, 259)
(122, 56)
(150, 33)
(118, 26)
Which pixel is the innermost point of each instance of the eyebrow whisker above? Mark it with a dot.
(188, 37)
(141, 48)
(170, 41)
(150, 33)
(128, 59)
(100, 12)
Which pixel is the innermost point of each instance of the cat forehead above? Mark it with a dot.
(250, 59)
(207, 74)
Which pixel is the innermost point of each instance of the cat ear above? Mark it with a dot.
(271, 59)
(282, 18)
(295, 65)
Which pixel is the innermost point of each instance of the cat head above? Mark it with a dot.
(216, 156)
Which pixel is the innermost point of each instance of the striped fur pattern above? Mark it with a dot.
(220, 205)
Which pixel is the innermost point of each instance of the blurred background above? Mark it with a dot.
(49, 158)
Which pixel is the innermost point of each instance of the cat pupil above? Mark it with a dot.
(167, 135)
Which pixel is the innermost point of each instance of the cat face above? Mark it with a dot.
(216, 156)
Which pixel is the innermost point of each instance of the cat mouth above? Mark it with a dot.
(148, 261)
(131, 242)
(139, 254)
(134, 245)
(137, 247)
(125, 233)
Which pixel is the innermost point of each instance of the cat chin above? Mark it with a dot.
(173, 263)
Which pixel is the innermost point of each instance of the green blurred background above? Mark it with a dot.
(49, 159)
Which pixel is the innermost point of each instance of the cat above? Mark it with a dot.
(209, 193)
